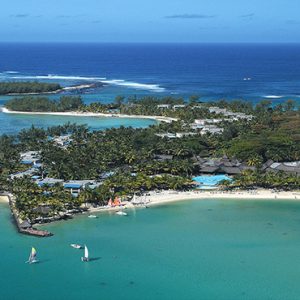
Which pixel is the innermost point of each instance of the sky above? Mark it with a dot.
(192, 21)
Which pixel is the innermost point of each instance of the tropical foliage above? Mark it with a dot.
(127, 161)
(44, 104)
(27, 87)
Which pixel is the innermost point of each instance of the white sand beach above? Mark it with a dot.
(90, 114)
(261, 194)
(160, 198)
(3, 199)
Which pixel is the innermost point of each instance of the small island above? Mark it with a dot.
(28, 87)
(232, 148)
(38, 88)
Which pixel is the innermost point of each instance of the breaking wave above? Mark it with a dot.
(135, 85)
(273, 97)
(10, 72)
(116, 82)
(59, 77)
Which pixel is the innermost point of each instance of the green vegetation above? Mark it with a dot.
(254, 179)
(44, 104)
(138, 160)
(34, 202)
(27, 87)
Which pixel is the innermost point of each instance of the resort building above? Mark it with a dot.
(175, 135)
(49, 181)
(221, 166)
(76, 186)
(287, 167)
(228, 113)
(212, 129)
(164, 106)
(30, 172)
(178, 106)
(62, 141)
(30, 157)
(217, 110)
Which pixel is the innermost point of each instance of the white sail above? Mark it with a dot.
(86, 252)
(32, 257)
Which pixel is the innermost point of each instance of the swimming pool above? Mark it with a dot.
(207, 182)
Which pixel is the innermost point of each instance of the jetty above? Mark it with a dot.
(24, 226)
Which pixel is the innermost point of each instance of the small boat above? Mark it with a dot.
(32, 257)
(76, 246)
(85, 258)
(92, 216)
(121, 213)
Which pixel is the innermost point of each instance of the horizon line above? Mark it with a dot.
(99, 42)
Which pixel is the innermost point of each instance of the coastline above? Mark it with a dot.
(165, 197)
(89, 114)
(63, 89)
(152, 199)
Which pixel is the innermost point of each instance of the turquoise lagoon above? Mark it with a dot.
(13, 123)
(209, 249)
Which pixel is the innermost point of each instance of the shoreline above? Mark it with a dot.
(261, 194)
(165, 197)
(90, 114)
(152, 199)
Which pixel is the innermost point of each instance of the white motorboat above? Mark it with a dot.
(92, 216)
(76, 246)
(121, 213)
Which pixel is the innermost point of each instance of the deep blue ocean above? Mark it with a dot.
(213, 71)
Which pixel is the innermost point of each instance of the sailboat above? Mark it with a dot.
(32, 257)
(86, 254)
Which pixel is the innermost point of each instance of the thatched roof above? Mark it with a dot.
(209, 169)
(244, 167)
(231, 170)
(267, 164)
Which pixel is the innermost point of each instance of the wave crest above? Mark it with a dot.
(59, 77)
(116, 82)
(273, 97)
(135, 85)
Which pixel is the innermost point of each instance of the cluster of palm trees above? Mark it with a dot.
(126, 185)
(44, 104)
(31, 199)
(135, 156)
(256, 178)
(92, 153)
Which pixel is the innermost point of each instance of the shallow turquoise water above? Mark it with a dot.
(13, 123)
(193, 250)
